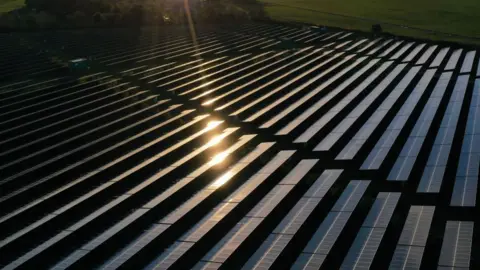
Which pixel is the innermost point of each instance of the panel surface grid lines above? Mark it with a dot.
(311, 94)
(215, 185)
(452, 62)
(382, 210)
(439, 58)
(297, 89)
(181, 211)
(437, 161)
(351, 149)
(327, 233)
(324, 182)
(184, 188)
(220, 211)
(320, 123)
(468, 62)
(457, 244)
(324, 100)
(223, 250)
(409, 250)
(426, 55)
(363, 249)
(271, 248)
(365, 245)
(403, 166)
(466, 180)
(344, 125)
(383, 146)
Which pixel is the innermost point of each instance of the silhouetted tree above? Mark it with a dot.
(57, 7)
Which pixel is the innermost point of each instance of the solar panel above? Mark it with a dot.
(170, 255)
(437, 161)
(288, 68)
(232, 240)
(351, 196)
(363, 249)
(271, 250)
(124, 254)
(358, 111)
(311, 94)
(218, 213)
(402, 51)
(207, 191)
(327, 234)
(257, 71)
(414, 53)
(270, 201)
(407, 257)
(321, 186)
(36, 250)
(283, 86)
(478, 71)
(358, 43)
(382, 45)
(318, 125)
(369, 45)
(283, 233)
(457, 244)
(251, 92)
(404, 164)
(296, 217)
(295, 175)
(452, 62)
(439, 58)
(468, 62)
(309, 261)
(151, 158)
(298, 89)
(382, 210)
(208, 222)
(391, 48)
(464, 190)
(364, 133)
(417, 226)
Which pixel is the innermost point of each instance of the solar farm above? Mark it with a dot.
(248, 146)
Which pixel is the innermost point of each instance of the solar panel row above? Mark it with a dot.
(236, 148)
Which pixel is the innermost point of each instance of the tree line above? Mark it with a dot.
(91, 13)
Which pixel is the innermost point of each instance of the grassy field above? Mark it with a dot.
(460, 17)
(9, 5)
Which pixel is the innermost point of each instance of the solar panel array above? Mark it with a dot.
(252, 146)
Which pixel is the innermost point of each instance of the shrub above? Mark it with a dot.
(98, 19)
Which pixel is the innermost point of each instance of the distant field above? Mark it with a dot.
(9, 5)
(460, 17)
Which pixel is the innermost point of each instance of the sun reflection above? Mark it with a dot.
(208, 102)
(215, 140)
(222, 180)
(213, 124)
(219, 158)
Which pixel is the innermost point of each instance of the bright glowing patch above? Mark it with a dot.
(208, 102)
(213, 124)
(222, 180)
(215, 140)
(219, 158)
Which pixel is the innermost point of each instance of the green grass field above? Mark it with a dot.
(9, 5)
(461, 17)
